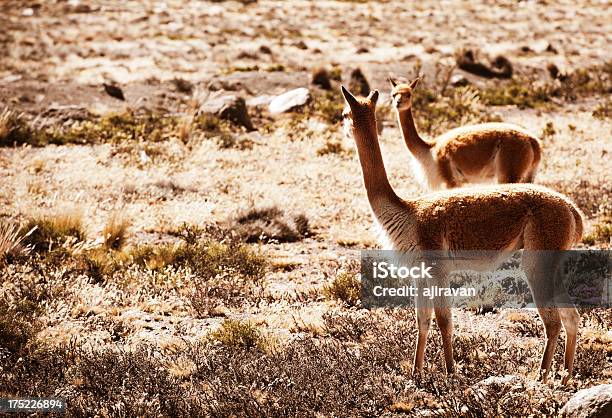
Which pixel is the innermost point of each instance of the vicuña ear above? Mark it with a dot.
(392, 81)
(373, 96)
(350, 99)
(415, 82)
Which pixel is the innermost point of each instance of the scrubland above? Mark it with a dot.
(156, 259)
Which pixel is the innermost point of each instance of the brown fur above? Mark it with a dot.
(471, 154)
(503, 218)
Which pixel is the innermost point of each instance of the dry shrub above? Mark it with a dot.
(437, 112)
(269, 224)
(233, 333)
(603, 110)
(524, 324)
(601, 234)
(347, 326)
(533, 93)
(332, 147)
(228, 275)
(233, 378)
(345, 287)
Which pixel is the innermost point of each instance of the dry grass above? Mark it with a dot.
(55, 230)
(115, 231)
(102, 322)
(12, 241)
(447, 108)
(344, 287)
(238, 334)
(600, 235)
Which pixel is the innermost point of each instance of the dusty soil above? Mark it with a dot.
(57, 54)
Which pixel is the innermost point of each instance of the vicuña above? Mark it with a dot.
(499, 219)
(479, 153)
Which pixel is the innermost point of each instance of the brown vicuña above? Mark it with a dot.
(499, 219)
(478, 153)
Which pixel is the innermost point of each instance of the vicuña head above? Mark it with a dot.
(500, 218)
(402, 94)
(481, 153)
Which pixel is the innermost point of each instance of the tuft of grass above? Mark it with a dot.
(603, 110)
(344, 287)
(54, 230)
(601, 234)
(549, 130)
(115, 232)
(206, 259)
(12, 239)
(332, 147)
(238, 334)
(16, 130)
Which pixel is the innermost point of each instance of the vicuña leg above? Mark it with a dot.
(541, 271)
(571, 323)
(552, 328)
(424, 311)
(444, 320)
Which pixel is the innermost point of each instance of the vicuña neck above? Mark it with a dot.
(375, 178)
(414, 142)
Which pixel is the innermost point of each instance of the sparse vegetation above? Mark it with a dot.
(437, 112)
(549, 130)
(115, 231)
(332, 147)
(532, 93)
(12, 241)
(601, 234)
(603, 110)
(48, 232)
(215, 272)
(344, 287)
(238, 334)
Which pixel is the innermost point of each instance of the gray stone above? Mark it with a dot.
(291, 100)
(595, 402)
(232, 108)
(259, 101)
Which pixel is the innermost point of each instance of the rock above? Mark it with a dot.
(457, 80)
(320, 77)
(259, 101)
(358, 84)
(290, 100)
(264, 49)
(232, 108)
(301, 45)
(362, 50)
(182, 85)
(114, 91)
(595, 402)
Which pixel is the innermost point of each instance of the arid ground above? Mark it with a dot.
(158, 259)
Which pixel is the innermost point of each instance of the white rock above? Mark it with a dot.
(290, 100)
(595, 402)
